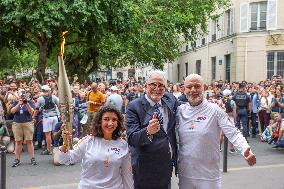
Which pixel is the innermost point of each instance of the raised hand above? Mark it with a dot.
(66, 136)
(154, 125)
(250, 157)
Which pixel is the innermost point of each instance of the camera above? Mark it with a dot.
(219, 85)
(23, 96)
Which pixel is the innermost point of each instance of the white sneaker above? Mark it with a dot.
(232, 151)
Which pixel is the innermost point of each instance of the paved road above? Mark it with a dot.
(267, 174)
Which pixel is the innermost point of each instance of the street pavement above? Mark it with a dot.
(268, 173)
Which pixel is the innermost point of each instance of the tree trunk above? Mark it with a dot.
(42, 43)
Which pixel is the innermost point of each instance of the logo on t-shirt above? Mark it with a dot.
(200, 118)
(116, 150)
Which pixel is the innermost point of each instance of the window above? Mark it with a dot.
(203, 41)
(258, 13)
(270, 64)
(213, 30)
(280, 64)
(213, 61)
(220, 27)
(275, 64)
(186, 48)
(213, 38)
(186, 68)
(229, 21)
(198, 67)
(228, 18)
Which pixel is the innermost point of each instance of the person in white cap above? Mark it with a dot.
(230, 105)
(114, 99)
(48, 104)
(231, 110)
(200, 124)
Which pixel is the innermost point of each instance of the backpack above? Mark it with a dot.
(48, 103)
(228, 105)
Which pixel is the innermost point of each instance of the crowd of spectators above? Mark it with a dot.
(29, 110)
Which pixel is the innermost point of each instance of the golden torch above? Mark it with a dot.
(64, 92)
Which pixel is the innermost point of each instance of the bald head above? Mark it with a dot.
(194, 88)
(194, 77)
(94, 86)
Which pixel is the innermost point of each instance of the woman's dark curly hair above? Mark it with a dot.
(97, 125)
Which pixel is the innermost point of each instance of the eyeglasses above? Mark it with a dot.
(155, 85)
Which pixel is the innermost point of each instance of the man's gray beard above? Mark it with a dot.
(195, 101)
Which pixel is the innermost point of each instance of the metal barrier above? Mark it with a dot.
(3, 167)
(225, 155)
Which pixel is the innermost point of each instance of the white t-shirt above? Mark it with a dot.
(199, 130)
(105, 163)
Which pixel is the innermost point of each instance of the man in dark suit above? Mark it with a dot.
(150, 127)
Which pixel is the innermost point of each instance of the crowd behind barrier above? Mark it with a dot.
(256, 109)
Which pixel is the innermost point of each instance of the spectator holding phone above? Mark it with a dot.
(23, 127)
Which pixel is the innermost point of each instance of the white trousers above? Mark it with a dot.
(189, 183)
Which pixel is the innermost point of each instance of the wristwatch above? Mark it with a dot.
(149, 136)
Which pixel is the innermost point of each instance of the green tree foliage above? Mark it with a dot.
(16, 60)
(104, 32)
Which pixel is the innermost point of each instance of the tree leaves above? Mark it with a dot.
(111, 33)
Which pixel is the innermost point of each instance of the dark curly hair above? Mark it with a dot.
(97, 122)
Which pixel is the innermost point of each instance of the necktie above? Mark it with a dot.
(159, 113)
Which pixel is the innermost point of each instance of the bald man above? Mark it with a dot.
(95, 99)
(200, 125)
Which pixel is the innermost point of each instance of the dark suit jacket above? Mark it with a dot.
(182, 98)
(152, 162)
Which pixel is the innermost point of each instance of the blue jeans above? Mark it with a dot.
(280, 144)
(38, 132)
(254, 124)
(242, 116)
(75, 124)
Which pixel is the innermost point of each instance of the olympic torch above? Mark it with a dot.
(64, 92)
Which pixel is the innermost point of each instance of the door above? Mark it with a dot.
(228, 67)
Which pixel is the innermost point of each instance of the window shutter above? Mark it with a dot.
(244, 14)
(271, 14)
(220, 27)
(232, 21)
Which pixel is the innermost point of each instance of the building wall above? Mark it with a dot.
(280, 15)
(248, 49)
(124, 72)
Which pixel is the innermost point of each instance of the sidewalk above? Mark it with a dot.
(267, 174)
